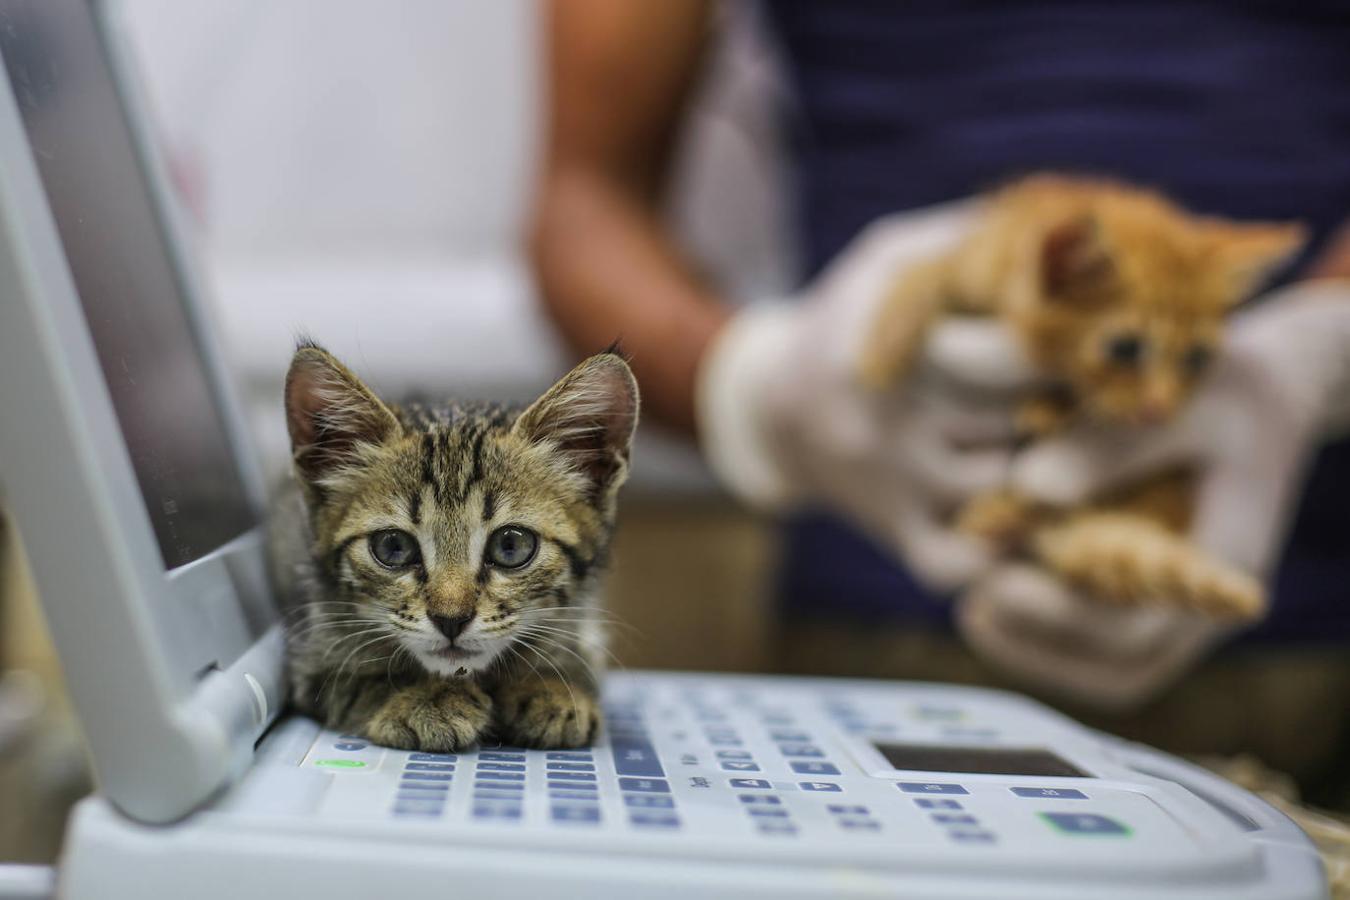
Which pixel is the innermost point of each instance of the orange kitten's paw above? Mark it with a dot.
(1224, 594)
(1002, 518)
(439, 716)
(546, 714)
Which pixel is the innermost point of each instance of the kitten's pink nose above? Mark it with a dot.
(451, 626)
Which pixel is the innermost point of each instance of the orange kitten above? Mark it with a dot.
(1118, 296)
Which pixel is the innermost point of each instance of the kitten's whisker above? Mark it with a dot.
(572, 634)
(342, 640)
(576, 709)
(358, 649)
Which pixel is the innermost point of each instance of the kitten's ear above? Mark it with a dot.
(1075, 259)
(329, 413)
(589, 416)
(1248, 253)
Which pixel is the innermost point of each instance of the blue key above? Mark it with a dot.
(573, 785)
(569, 756)
(1085, 823)
(570, 767)
(496, 795)
(860, 824)
(495, 811)
(655, 820)
(429, 767)
(782, 734)
(766, 799)
(580, 814)
(776, 828)
(972, 837)
(432, 757)
(925, 803)
(571, 776)
(1049, 793)
(645, 785)
(498, 776)
(635, 756)
(954, 819)
(776, 719)
(767, 812)
(744, 783)
(427, 776)
(418, 804)
(734, 754)
(424, 786)
(500, 785)
(649, 801)
(731, 765)
(401, 810)
(726, 742)
(499, 756)
(841, 809)
(573, 795)
(351, 746)
(814, 768)
(828, 787)
(801, 750)
(500, 767)
(925, 787)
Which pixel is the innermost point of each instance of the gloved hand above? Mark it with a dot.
(784, 421)
(1281, 386)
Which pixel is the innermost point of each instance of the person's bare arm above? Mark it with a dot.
(619, 75)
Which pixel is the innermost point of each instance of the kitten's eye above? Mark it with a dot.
(1197, 359)
(394, 549)
(511, 546)
(1125, 349)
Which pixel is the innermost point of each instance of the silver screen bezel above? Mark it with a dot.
(155, 659)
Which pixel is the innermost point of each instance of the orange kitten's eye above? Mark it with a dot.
(1197, 359)
(1125, 349)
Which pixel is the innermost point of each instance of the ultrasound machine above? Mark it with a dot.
(124, 463)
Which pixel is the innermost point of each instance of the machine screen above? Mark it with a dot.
(125, 277)
(978, 760)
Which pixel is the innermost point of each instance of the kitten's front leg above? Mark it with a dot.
(434, 714)
(546, 712)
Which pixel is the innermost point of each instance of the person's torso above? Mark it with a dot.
(1238, 109)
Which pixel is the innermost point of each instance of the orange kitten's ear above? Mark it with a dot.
(1075, 259)
(329, 412)
(1248, 253)
(589, 416)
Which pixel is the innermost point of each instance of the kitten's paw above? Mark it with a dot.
(1223, 593)
(547, 715)
(437, 716)
(1001, 517)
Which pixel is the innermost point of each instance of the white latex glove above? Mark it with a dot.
(784, 422)
(1281, 386)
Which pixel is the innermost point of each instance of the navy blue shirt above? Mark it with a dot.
(1232, 108)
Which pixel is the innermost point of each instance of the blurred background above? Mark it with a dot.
(364, 179)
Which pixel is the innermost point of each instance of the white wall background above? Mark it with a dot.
(361, 171)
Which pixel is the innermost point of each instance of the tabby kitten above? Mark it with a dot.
(441, 563)
(1118, 296)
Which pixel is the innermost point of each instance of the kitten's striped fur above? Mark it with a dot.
(1073, 265)
(364, 654)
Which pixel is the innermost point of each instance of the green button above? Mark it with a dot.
(340, 763)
